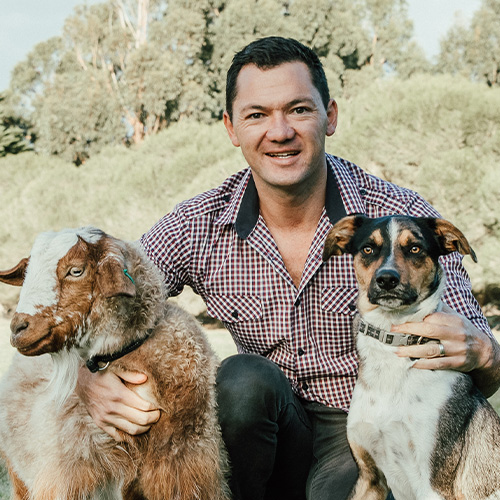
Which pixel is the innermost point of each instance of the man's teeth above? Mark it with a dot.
(281, 155)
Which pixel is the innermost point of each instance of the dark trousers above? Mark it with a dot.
(280, 447)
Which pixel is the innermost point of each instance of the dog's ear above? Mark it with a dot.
(451, 239)
(340, 235)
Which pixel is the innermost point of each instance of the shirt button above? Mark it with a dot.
(352, 306)
(301, 351)
(362, 192)
(235, 314)
(305, 386)
(226, 197)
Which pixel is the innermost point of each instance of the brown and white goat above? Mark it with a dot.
(87, 297)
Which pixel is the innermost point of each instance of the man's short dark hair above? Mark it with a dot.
(269, 52)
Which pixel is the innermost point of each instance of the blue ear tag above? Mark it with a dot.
(125, 272)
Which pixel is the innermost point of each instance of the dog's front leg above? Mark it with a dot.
(371, 484)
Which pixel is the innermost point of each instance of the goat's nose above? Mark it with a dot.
(387, 279)
(18, 324)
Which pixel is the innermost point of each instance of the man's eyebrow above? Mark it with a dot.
(301, 100)
(253, 107)
(291, 104)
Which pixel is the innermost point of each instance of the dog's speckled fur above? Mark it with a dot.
(425, 434)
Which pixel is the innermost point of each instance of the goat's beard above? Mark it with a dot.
(66, 364)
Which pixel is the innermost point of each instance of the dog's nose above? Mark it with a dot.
(387, 279)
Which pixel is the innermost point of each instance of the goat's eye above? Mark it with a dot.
(75, 272)
(415, 249)
(367, 250)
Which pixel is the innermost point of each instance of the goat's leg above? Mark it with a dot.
(133, 491)
(371, 484)
(195, 474)
(19, 490)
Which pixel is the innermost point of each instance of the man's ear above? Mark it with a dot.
(339, 238)
(230, 129)
(332, 114)
(451, 239)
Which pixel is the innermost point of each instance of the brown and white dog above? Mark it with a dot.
(425, 434)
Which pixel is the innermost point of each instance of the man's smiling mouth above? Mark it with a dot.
(283, 155)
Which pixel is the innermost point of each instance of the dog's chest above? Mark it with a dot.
(394, 415)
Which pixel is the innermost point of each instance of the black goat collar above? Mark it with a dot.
(390, 338)
(101, 361)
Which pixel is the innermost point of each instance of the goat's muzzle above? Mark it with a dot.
(31, 335)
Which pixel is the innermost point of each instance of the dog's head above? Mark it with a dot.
(395, 257)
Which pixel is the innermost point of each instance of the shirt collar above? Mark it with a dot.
(342, 198)
(349, 185)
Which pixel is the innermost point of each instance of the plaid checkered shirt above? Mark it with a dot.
(218, 244)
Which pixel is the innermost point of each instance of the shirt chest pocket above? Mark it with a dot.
(339, 300)
(234, 308)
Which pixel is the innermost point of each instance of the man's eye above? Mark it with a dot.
(300, 110)
(255, 116)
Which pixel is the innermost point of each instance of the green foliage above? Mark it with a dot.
(126, 69)
(441, 137)
(437, 135)
(12, 139)
(474, 51)
(121, 190)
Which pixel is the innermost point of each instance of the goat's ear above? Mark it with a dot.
(113, 280)
(15, 276)
(451, 239)
(340, 235)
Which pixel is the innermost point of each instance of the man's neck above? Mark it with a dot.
(292, 218)
(292, 208)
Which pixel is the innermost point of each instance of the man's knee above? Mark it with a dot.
(249, 388)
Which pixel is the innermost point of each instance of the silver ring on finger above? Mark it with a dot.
(441, 350)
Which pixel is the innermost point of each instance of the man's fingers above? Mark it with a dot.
(114, 407)
(440, 326)
(434, 364)
(133, 424)
(428, 350)
(135, 378)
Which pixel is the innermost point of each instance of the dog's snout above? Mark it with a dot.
(387, 279)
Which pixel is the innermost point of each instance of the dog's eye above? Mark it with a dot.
(415, 249)
(367, 250)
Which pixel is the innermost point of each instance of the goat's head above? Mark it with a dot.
(64, 275)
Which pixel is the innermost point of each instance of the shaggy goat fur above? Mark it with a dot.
(52, 447)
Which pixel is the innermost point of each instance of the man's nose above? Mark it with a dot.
(280, 130)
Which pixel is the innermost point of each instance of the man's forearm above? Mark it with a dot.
(487, 377)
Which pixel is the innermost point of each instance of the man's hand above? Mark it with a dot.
(466, 348)
(113, 406)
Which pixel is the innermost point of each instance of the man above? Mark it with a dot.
(252, 249)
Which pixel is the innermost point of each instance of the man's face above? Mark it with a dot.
(281, 123)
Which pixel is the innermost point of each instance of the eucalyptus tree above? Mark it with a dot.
(125, 69)
(474, 50)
